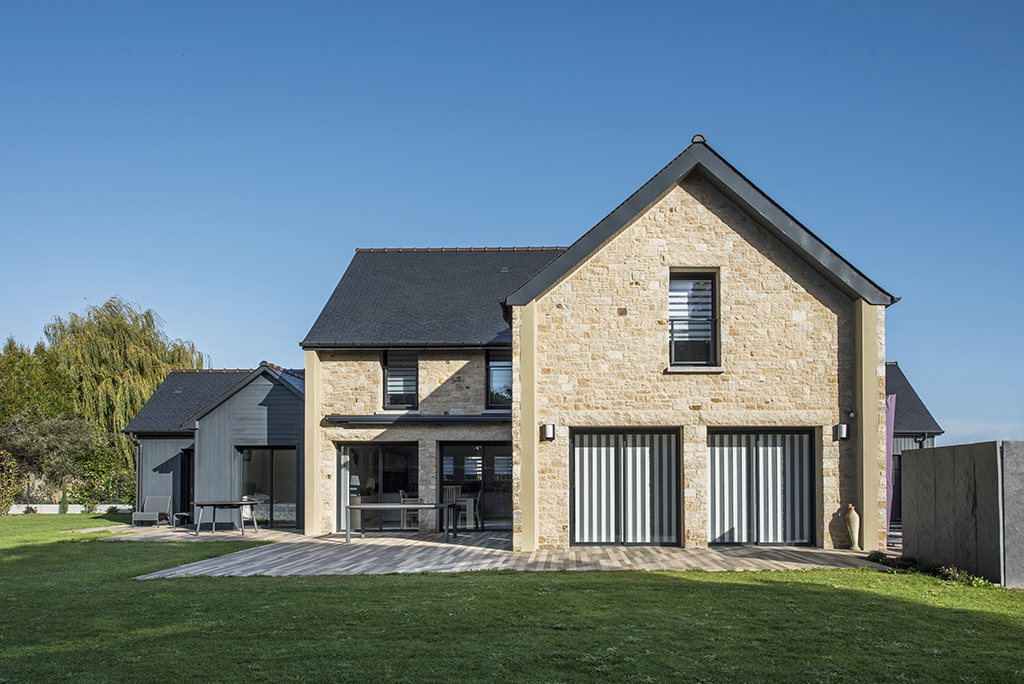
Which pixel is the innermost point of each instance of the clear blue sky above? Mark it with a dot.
(220, 162)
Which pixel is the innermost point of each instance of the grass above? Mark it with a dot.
(70, 611)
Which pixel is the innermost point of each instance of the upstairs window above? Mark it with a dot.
(693, 327)
(400, 375)
(499, 378)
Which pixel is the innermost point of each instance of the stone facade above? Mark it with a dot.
(451, 382)
(600, 358)
(879, 385)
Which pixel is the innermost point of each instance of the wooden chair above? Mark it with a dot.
(407, 515)
(452, 493)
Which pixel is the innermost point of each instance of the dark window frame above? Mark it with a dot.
(494, 364)
(246, 452)
(389, 365)
(711, 319)
(380, 480)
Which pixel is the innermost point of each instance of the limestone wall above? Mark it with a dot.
(602, 350)
(451, 382)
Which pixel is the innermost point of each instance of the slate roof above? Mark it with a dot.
(911, 413)
(425, 297)
(184, 393)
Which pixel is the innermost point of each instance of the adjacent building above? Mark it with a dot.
(913, 428)
(221, 435)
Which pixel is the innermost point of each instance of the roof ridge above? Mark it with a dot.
(459, 249)
(212, 370)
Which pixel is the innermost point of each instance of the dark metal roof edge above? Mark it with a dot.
(578, 251)
(237, 387)
(780, 223)
(419, 420)
(184, 432)
(724, 177)
(407, 345)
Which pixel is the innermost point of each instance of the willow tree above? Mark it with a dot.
(116, 355)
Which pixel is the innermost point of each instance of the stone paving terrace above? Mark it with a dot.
(388, 552)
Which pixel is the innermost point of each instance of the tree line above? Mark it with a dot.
(65, 402)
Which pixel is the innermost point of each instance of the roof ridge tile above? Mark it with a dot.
(212, 370)
(460, 249)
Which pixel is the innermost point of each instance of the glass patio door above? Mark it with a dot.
(378, 473)
(271, 477)
(483, 471)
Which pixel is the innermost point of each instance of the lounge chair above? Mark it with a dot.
(154, 509)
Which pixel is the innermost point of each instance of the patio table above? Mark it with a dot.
(448, 518)
(225, 504)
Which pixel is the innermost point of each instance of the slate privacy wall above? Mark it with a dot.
(963, 505)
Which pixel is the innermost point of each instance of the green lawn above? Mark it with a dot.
(70, 611)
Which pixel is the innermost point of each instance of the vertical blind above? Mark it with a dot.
(625, 489)
(400, 371)
(760, 488)
(692, 319)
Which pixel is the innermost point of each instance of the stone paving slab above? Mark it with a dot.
(404, 553)
(110, 528)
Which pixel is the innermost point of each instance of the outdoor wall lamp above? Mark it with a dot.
(842, 431)
(547, 432)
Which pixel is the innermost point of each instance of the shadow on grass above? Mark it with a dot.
(114, 518)
(72, 611)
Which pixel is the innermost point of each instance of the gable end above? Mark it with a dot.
(701, 159)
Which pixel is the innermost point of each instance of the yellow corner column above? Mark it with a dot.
(314, 497)
(869, 404)
(528, 425)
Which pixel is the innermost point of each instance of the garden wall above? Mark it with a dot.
(45, 509)
(963, 506)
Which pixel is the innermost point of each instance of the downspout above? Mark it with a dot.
(138, 467)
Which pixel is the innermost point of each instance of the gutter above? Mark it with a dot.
(327, 346)
(407, 419)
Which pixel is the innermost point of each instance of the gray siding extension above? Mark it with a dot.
(265, 413)
(160, 465)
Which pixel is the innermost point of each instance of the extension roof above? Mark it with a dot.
(699, 158)
(186, 394)
(911, 413)
(423, 298)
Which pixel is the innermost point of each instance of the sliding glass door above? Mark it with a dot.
(379, 473)
(271, 476)
(483, 473)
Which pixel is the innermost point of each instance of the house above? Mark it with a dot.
(209, 435)
(913, 428)
(682, 374)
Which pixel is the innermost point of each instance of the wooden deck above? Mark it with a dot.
(402, 552)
